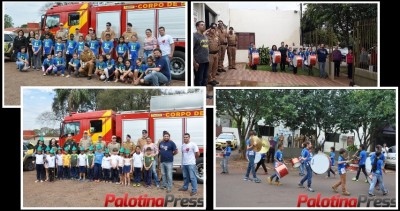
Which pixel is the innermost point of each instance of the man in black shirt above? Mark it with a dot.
(200, 51)
(283, 51)
(19, 42)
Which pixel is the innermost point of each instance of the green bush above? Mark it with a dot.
(352, 148)
(264, 55)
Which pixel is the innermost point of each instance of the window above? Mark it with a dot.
(52, 21)
(244, 40)
(134, 128)
(9, 38)
(112, 17)
(174, 22)
(266, 130)
(96, 126)
(73, 19)
(72, 127)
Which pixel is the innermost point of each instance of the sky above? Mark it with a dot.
(265, 5)
(23, 12)
(35, 101)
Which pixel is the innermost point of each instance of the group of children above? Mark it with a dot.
(115, 168)
(128, 68)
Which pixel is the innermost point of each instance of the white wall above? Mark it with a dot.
(271, 27)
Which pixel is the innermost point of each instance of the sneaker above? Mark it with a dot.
(277, 183)
(269, 180)
(366, 181)
(182, 189)
(300, 185)
(62, 75)
(41, 180)
(44, 74)
(256, 180)
(36, 181)
(193, 193)
(371, 194)
(346, 193)
(134, 185)
(137, 184)
(334, 189)
(310, 189)
(385, 193)
(158, 187)
(89, 77)
(355, 179)
(68, 76)
(246, 179)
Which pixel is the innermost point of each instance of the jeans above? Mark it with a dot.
(47, 68)
(147, 176)
(201, 75)
(274, 65)
(302, 167)
(60, 172)
(66, 172)
(97, 171)
(225, 162)
(283, 63)
(40, 174)
(154, 170)
(275, 175)
(138, 174)
(89, 173)
(322, 72)
(350, 70)
(36, 60)
(106, 173)
(56, 69)
(250, 167)
(114, 174)
(337, 67)
(147, 53)
(166, 172)
(308, 176)
(189, 174)
(375, 178)
(166, 57)
(156, 78)
(74, 172)
(20, 65)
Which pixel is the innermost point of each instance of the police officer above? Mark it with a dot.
(213, 48)
(87, 61)
(223, 42)
(232, 41)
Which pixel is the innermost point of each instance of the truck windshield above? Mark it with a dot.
(52, 21)
(71, 127)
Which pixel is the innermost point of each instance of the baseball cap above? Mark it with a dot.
(114, 136)
(85, 131)
(100, 136)
(90, 28)
(61, 24)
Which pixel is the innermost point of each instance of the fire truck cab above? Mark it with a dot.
(149, 15)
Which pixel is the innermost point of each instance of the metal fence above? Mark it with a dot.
(365, 36)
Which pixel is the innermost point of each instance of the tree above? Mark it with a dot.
(24, 26)
(126, 100)
(8, 21)
(69, 100)
(49, 119)
(45, 7)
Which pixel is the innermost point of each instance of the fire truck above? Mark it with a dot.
(172, 113)
(148, 15)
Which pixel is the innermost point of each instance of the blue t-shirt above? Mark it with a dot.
(142, 68)
(228, 151)
(59, 47)
(47, 44)
(302, 54)
(278, 156)
(59, 61)
(98, 157)
(341, 166)
(120, 66)
(94, 46)
(290, 54)
(47, 62)
(166, 151)
(101, 65)
(110, 63)
(322, 54)
(37, 44)
(23, 56)
(306, 154)
(80, 47)
(372, 157)
(379, 165)
(363, 157)
(332, 156)
(75, 61)
(276, 138)
(121, 49)
(71, 47)
(163, 65)
(133, 50)
(107, 45)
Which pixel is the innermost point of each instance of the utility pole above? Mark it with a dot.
(301, 31)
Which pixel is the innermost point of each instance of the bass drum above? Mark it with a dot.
(257, 158)
(368, 165)
(320, 163)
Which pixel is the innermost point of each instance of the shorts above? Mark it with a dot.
(82, 169)
(120, 170)
(127, 169)
(140, 74)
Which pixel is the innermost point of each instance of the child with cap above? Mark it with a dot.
(127, 168)
(148, 163)
(74, 164)
(39, 164)
(98, 158)
(46, 165)
(59, 164)
(114, 166)
(82, 160)
(137, 164)
(106, 165)
(66, 158)
(121, 165)
(51, 162)
(89, 163)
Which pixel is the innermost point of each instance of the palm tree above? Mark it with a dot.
(68, 100)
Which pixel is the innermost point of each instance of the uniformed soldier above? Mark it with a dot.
(143, 140)
(232, 42)
(129, 145)
(87, 61)
(213, 48)
(129, 33)
(223, 42)
(63, 33)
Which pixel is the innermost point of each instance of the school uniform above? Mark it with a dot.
(106, 165)
(40, 174)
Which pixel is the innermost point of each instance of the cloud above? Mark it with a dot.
(35, 102)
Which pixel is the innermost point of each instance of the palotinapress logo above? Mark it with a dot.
(145, 201)
(338, 201)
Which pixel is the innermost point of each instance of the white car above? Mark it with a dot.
(391, 158)
(223, 138)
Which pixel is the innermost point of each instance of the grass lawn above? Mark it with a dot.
(299, 70)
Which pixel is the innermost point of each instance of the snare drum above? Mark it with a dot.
(312, 60)
(219, 155)
(295, 162)
(297, 61)
(255, 58)
(281, 171)
(320, 163)
(276, 57)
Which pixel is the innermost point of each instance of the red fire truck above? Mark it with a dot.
(168, 113)
(149, 15)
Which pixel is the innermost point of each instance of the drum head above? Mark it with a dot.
(257, 158)
(368, 165)
(319, 163)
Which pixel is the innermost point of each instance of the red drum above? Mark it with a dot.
(255, 58)
(297, 61)
(276, 57)
(219, 155)
(281, 171)
(312, 60)
(295, 162)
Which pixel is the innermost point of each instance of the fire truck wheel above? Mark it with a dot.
(177, 66)
(200, 170)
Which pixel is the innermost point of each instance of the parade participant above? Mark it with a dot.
(133, 49)
(283, 51)
(121, 166)
(36, 51)
(250, 153)
(253, 50)
(87, 62)
(51, 162)
(303, 56)
(262, 163)
(114, 166)
(80, 46)
(59, 64)
(201, 55)
(342, 172)
(190, 152)
(100, 66)
(278, 161)
(148, 163)
(107, 45)
(350, 61)
(361, 164)
(213, 48)
(137, 166)
(59, 161)
(232, 42)
(89, 163)
(308, 53)
(127, 72)
(98, 158)
(74, 164)
(122, 49)
(225, 160)
(119, 68)
(332, 158)
(271, 151)
(109, 70)
(82, 162)
(292, 55)
(274, 65)
(223, 42)
(66, 159)
(306, 157)
(94, 45)
(127, 168)
(322, 54)
(377, 169)
(106, 166)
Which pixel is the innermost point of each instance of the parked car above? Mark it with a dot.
(223, 138)
(28, 159)
(8, 44)
(391, 158)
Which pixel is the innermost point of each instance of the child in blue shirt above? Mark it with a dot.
(107, 45)
(306, 158)
(73, 65)
(94, 45)
(342, 172)
(119, 68)
(139, 71)
(47, 46)
(59, 64)
(134, 48)
(121, 48)
(361, 164)
(80, 46)
(98, 158)
(100, 66)
(47, 65)
(225, 160)
(22, 59)
(71, 48)
(37, 50)
(59, 47)
(278, 161)
(377, 169)
(332, 159)
(109, 70)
